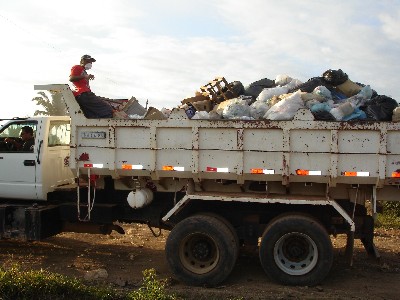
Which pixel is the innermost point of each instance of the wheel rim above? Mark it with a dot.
(295, 253)
(198, 253)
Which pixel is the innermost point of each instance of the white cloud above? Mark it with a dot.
(164, 51)
(391, 24)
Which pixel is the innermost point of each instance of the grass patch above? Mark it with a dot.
(390, 218)
(18, 284)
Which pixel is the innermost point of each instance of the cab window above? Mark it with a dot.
(59, 133)
(12, 131)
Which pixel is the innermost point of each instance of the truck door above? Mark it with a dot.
(17, 167)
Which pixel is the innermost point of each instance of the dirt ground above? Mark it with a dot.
(124, 257)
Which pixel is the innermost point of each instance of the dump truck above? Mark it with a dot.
(216, 185)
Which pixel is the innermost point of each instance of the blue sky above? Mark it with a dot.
(164, 51)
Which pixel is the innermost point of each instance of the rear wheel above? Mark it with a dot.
(201, 250)
(296, 250)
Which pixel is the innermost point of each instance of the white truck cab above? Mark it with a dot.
(25, 174)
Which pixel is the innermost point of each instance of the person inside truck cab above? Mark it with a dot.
(93, 106)
(24, 143)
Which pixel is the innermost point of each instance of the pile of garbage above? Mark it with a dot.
(330, 97)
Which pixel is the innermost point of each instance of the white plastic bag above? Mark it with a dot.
(293, 83)
(363, 96)
(201, 115)
(282, 79)
(258, 109)
(286, 108)
(322, 91)
(235, 109)
(135, 117)
(270, 92)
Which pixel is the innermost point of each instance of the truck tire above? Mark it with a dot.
(201, 250)
(296, 250)
(231, 228)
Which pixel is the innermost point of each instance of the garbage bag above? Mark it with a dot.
(282, 79)
(236, 109)
(258, 109)
(310, 85)
(255, 88)
(335, 77)
(310, 103)
(362, 97)
(338, 96)
(268, 93)
(237, 88)
(293, 84)
(349, 88)
(357, 114)
(380, 108)
(323, 115)
(343, 110)
(201, 115)
(318, 107)
(286, 108)
(323, 92)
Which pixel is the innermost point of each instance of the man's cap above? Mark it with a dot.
(88, 57)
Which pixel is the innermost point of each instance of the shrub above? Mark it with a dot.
(151, 289)
(18, 284)
(391, 215)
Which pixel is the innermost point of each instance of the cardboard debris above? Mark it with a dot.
(204, 105)
(132, 107)
(195, 99)
(154, 114)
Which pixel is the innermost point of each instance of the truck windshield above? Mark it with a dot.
(59, 133)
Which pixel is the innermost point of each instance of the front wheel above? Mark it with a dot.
(201, 250)
(296, 250)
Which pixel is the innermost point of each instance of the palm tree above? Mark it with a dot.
(51, 107)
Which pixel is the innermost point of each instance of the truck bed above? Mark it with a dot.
(300, 150)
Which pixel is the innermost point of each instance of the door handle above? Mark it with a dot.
(29, 162)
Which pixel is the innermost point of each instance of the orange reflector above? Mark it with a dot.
(350, 173)
(167, 168)
(257, 171)
(301, 172)
(396, 174)
(126, 167)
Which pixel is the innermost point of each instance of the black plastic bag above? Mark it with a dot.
(335, 77)
(380, 108)
(323, 115)
(310, 85)
(237, 88)
(255, 88)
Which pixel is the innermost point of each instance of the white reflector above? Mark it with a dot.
(314, 172)
(180, 169)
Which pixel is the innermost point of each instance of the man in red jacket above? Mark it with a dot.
(92, 106)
